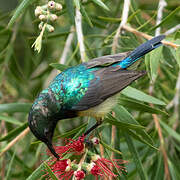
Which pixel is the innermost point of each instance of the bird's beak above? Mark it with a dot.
(52, 150)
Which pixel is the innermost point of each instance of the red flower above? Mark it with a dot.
(77, 145)
(105, 165)
(79, 174)
(62, 169)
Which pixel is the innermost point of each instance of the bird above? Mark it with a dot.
(87, 89)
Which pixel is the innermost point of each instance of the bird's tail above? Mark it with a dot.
(141, 51)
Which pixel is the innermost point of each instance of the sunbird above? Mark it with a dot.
(88, 89)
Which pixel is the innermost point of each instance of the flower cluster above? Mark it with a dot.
(71, 164)
(46, 14)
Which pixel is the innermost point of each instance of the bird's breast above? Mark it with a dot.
(102, 109)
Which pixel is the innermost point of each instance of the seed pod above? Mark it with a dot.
(42, 17)
(58, 6)
(53, 17)
(41, 25)
(51, 5)
(49, 28)
(38, 11)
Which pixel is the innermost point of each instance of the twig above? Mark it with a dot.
(62, 59)
(123, 22)
(175, 103)
(78, 22)
(138, 33)
(15, 140)
(162, 148)
(161, 6)
(172, 30)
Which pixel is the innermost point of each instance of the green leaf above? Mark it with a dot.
(178, 56)
(19, 11)
(60, 67)
(141, 96)
(101, 4)
(134, 135)
(170, 131)
(70, 9)
(136, 157)
(155, 57)
(110, 19)
(123, 115)
(166, 19)
(77, 4)
(51, 174)
(15, 107)
(37, 173)
(112, 120)
(14, 132)
(85, 15)
(10, 120)
(10, 166)
(139, 106)
(110, 148)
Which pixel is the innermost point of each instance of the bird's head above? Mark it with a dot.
(42, 121)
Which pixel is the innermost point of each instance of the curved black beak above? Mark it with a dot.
(52, 150)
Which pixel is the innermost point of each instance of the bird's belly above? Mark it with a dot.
(102, 109)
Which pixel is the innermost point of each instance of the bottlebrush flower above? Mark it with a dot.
(62, 169)
(105, 165)
(79, 174)
(72, 146)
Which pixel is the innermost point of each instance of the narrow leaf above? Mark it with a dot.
(140, 106)
(85, 15)
(123, 115)
(10, 166)
(170, 131)
(136, 157)
(110, 119)
(178, 56)
(110, 148)
(15, 107)
(60, 67)
(51, 174)
(133, 134)
(141, 96)
(77, 4)
(19, 11)
(10, 120)
(70, 9)
(101, 4)
(165, 20)
(155, 57)
(37, 173)
(14, 132)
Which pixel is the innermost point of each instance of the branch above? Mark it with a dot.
(123, 22)
(146, 36)
(172, 30)
(78, 23)
(161, 6)
(15, 140)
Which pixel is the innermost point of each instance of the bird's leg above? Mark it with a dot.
(99, 122)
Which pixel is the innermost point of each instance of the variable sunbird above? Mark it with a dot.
(88, 89)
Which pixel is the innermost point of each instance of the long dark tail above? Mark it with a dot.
(141, 51)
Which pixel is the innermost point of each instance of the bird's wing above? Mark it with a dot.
(106, 60)
(108, 82)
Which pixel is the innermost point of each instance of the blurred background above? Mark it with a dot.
(153, 151)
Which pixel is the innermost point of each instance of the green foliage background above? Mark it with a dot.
(23, 74)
